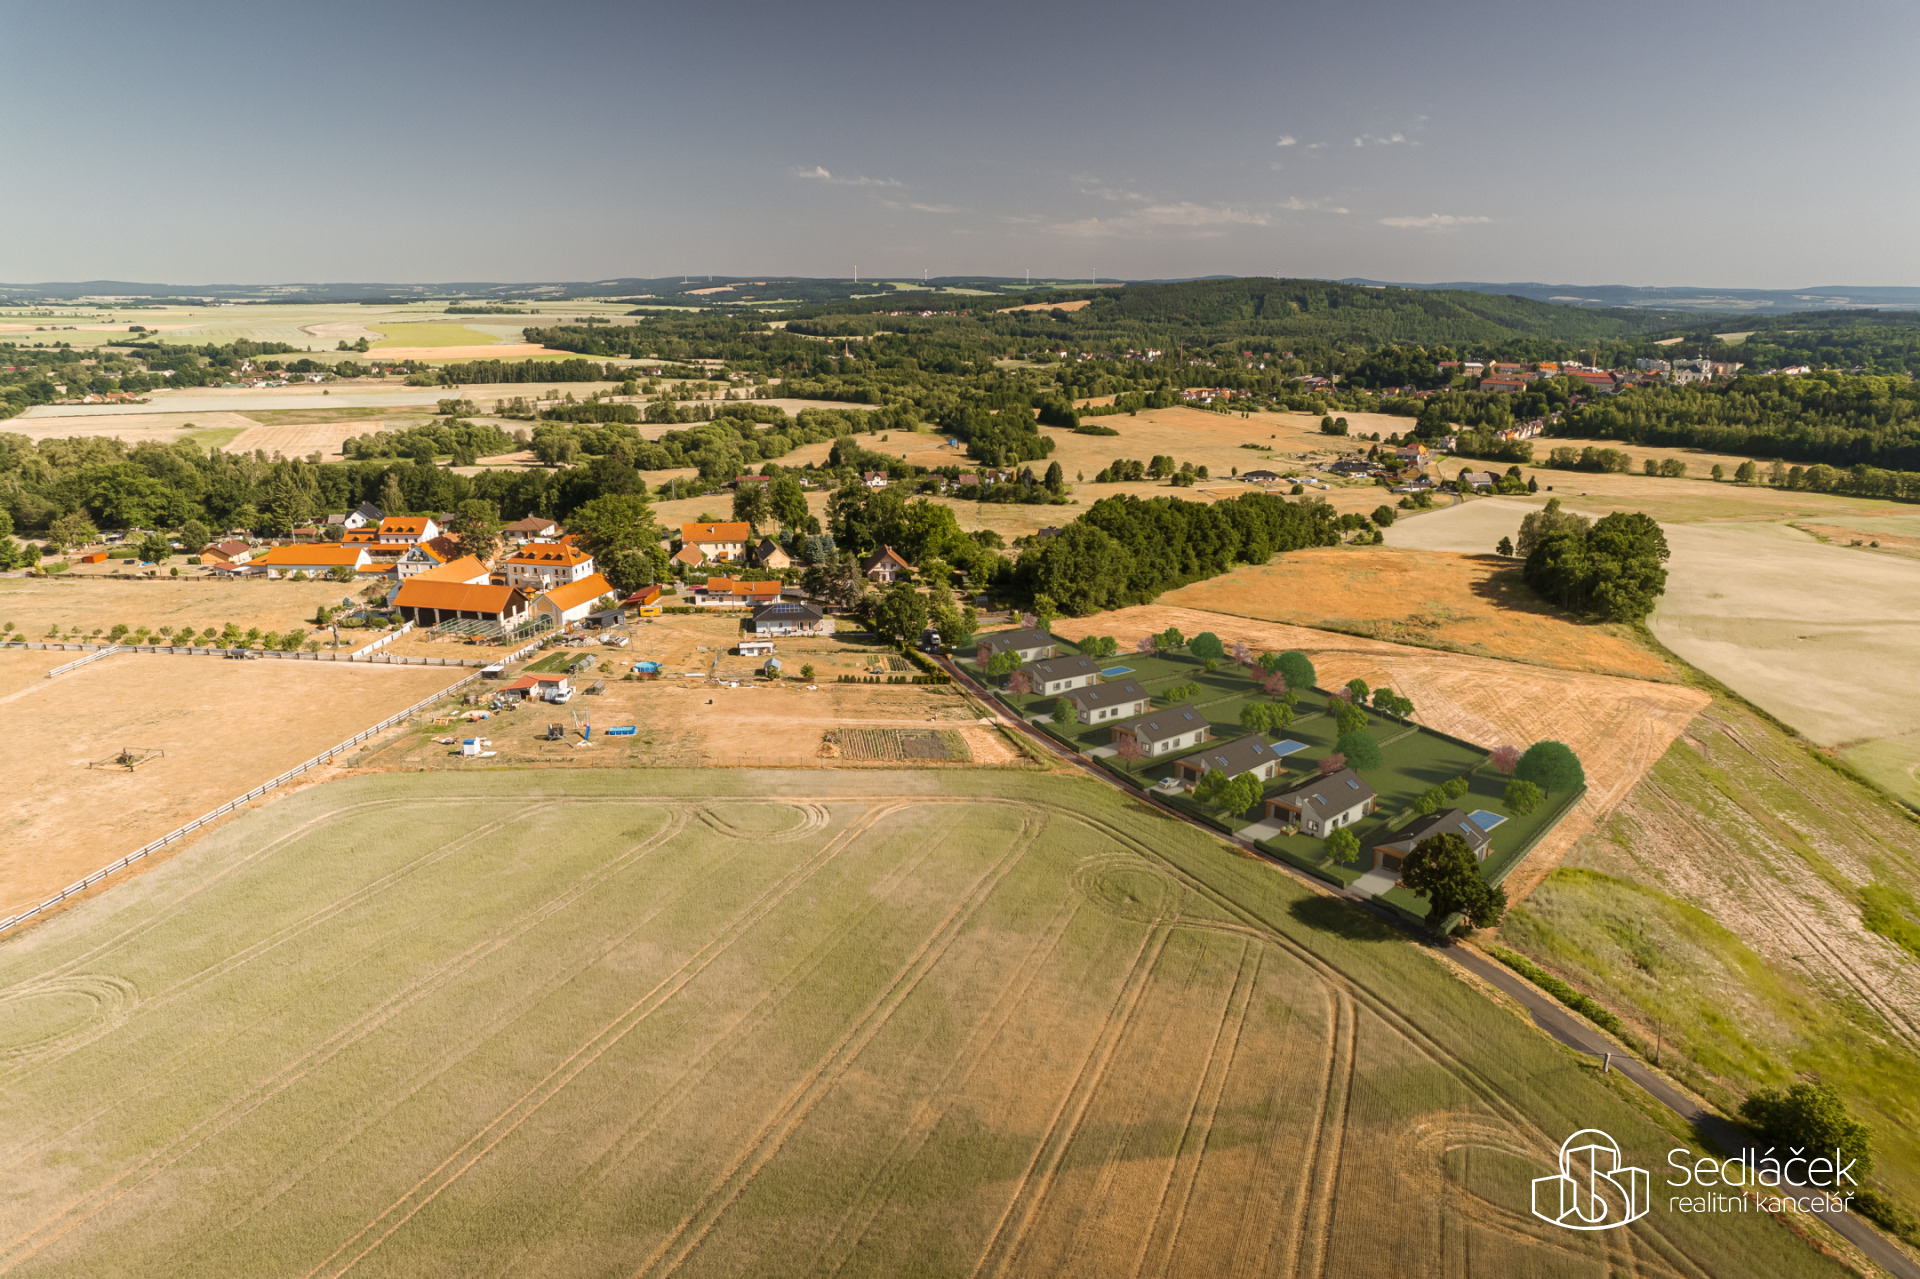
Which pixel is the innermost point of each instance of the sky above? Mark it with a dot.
(1759, 144)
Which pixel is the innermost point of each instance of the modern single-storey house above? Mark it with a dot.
(756, 648)
(574, 600)
(769, 555)
(726, 540)
(1031, 645)
(426, 602)
(1250, 754)
(1260, 476)
(1058, 674)
(1321, 805)
(790, 617)
(1165, 731)
(535, 528)
(1098, 703)
(541, 566)
(310, 558)
(1389, 855)
(885, 566)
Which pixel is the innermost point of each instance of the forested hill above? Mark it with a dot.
(1268, 316)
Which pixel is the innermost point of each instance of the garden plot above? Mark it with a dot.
(798, 1023)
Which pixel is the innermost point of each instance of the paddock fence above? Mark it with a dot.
(81, 885)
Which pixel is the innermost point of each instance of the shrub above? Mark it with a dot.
(1343, 846)
(1811, 1116)
(1330, 763)
(1521, 797)
(1297, 669)
(1566, 994)
(1207, 646)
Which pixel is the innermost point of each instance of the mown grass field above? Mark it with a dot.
(731, 1023)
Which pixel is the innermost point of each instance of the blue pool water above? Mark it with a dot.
(1288, 747)
(1117, 670)
(1484, 820)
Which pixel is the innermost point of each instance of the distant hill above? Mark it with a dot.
(1690, 298)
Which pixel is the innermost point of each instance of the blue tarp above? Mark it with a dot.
(626, 731)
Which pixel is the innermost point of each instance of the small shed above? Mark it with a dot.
(756, 648)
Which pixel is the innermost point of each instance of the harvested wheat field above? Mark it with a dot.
(721, 1024)
(1468, 603)
(35, 604)
(1618, 727)
(225, 727)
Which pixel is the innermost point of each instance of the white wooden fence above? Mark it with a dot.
(108, 651)
(81, 885)
(97, 651)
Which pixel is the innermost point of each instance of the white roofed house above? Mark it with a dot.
(1164, 731)
(1242, 755)
(1321, 805)
(1102, 703)
(1051, 676)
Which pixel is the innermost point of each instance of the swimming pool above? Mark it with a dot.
(1484, 820)
(1112, 671)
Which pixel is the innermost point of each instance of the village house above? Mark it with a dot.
(748, 480)
(728, 592)
(768, 555)
(311, 558)
(422, 556)
(222, 554)
(542, 566)
(1504, 384)
(362, 515)
(1389, 856)
(874, 479)
(1031, 645)
(790, 617)
(1479, 479)
(535, 528)
(405, 530)
(1321, 805)
(1058, 674)
(1249, 754)
(726, 540)
(1098, 703)
(1261, 476)
(1165, 731)
(885, 566)
(544, 688)
(572, 601)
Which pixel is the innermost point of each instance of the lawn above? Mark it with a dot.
(726, 1023)
(1413, 760)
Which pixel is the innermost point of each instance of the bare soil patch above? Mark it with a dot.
(1078, 304)
(134, 428)
(479, 351)
(1618, 727)
(225, 727)
(1470, 603)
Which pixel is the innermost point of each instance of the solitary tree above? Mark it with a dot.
(1552, 766)
(1506, 546)
(1343, 845)
(1442, 869)
(1207, 645)
(1505, 757)
(1348, 718)
(1064, 712)
(1810, 1116)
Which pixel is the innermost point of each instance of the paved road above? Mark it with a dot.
(1547, 1012)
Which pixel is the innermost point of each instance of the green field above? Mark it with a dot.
(727, 1023)
(405, 335)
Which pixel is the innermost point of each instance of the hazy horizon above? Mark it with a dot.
(1481, 141)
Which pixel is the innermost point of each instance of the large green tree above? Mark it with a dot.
(1442, 869)
(617, 522)
(1552, 766)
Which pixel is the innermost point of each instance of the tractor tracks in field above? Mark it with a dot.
(486, 1139)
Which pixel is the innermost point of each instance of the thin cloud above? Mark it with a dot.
(819, 174)
(1287, 140)
(1088, 185)
(1204, 220)
(1375, 140)
(1434, 221)
(1294, 204)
